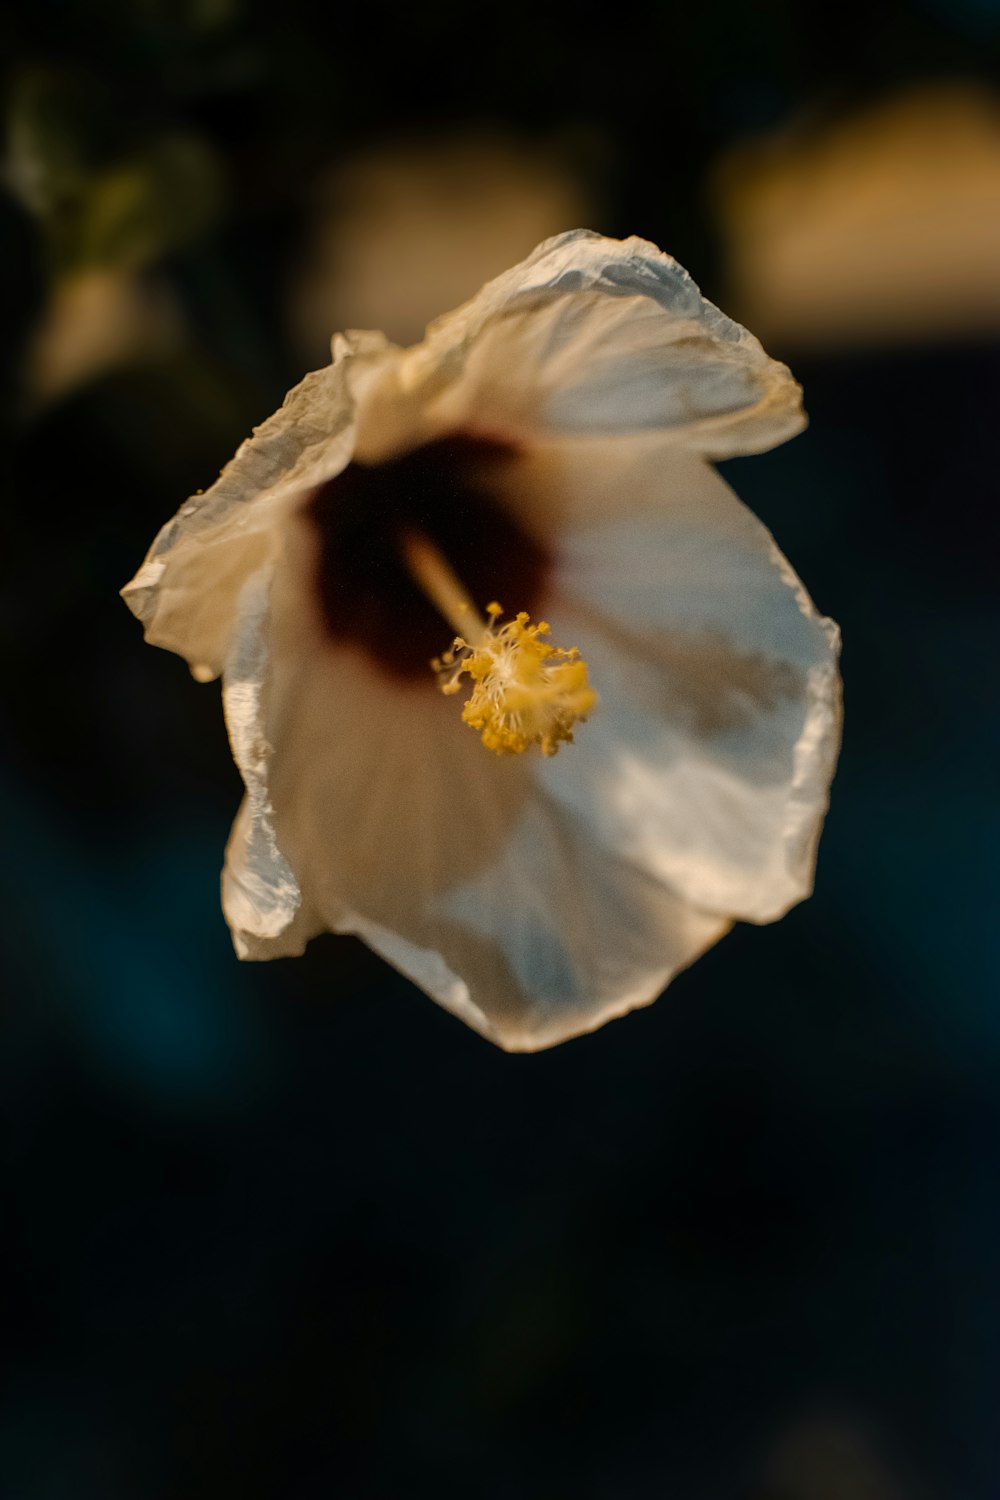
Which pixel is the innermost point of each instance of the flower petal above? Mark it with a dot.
(709, 757)
(554, 937)
(534, 899)
(591, 335)
(185, 593)
(399, 827)
(260, 895)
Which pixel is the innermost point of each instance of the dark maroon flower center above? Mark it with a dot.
(446, 490)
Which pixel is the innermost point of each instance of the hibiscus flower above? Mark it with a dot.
(546, 449)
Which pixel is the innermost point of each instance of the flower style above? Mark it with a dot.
(549, 446)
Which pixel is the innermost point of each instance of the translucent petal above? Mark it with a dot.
(185, 593)
(260, 895)
(709, 757)
(591, 336)
(442, 857)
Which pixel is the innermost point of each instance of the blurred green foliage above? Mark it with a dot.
(102, 198)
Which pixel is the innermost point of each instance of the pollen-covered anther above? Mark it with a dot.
(525, 691)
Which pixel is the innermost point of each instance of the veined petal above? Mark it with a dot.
(185, 593)
(709, 757)
(591, 335)
(445, 859)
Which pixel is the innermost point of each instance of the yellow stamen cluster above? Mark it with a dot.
(525, 691)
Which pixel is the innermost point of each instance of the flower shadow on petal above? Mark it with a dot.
(706, 681)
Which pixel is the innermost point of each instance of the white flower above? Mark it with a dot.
(548, 446)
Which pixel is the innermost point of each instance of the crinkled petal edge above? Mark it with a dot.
(308, 440)
(428, 970)
(581, 260)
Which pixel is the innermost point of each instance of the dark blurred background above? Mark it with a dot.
(290, 1230)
